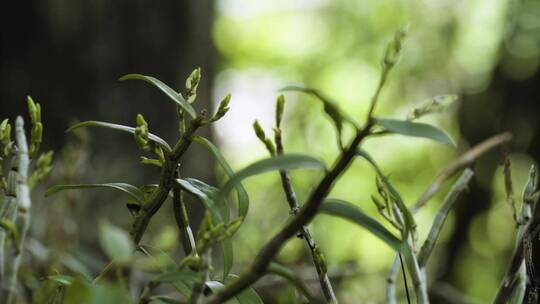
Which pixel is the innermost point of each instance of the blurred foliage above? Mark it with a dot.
(335, 46)
(452, 47)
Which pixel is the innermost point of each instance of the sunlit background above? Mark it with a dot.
(487, 51)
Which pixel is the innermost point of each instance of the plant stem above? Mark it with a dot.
(257, 269)
(198, 288)
(8, 211)
(375, 98)
(166, 181)
(182, 220)
(442, 214)
(418, 276)
(463, 161)
(22, 220)
(514, 280)
(391, 295)
(290, 194)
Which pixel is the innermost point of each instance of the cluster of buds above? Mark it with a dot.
(36, 138)
(5, 137)
(222, 109)
(192, 83)
(210, 234)
(393, 49)
(141, 138)
(262, 137)
(42, 169)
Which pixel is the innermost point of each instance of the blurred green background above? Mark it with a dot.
(68, 54)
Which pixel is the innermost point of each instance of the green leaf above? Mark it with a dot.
(116, 242)
(415, 129)
(248, 296)
(354, 214)
(206, 194)
(293, 278)
(164, 299)
(330, 108)
(228, 256)
(61, 279)
(101, 124)
(83, 292)
(275, 163)
(130, 190)
(175, 96)
(183, 281)
(50, 292)
(410, 223)
(219, 210)
(243, 199)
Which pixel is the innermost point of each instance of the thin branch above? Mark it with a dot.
(418, 276)
(257, 269)
(391, 294)
(463, 161)
(166, 181)
(516, 273)
(182, 220)
(198, 288)
(442, 214)
(290, 194)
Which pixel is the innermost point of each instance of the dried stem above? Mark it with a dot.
(442, 214)
(462, 162)
(320, 264)
(513, 283)
(22, 220)
(257, 269)
(8, 211)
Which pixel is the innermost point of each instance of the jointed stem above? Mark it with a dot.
(166, 181)
(182, 220)
(320, 265)
(462, 162)
(305, 215)
(22, 219)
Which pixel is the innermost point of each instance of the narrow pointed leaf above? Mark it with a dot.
(164, 299)
(116, 242)
(415, 129)
(275, 163)
(220, 213)
(330, 106)
(228, 256)
(354, 214)
(175, 96)
(176, 276)
(410, 223)
(248, 296)
(130, 190)
(61, 279)
(293, 278)
(206, 194)
(101, 124)
(243, 199)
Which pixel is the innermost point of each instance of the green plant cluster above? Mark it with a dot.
(193, 277)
